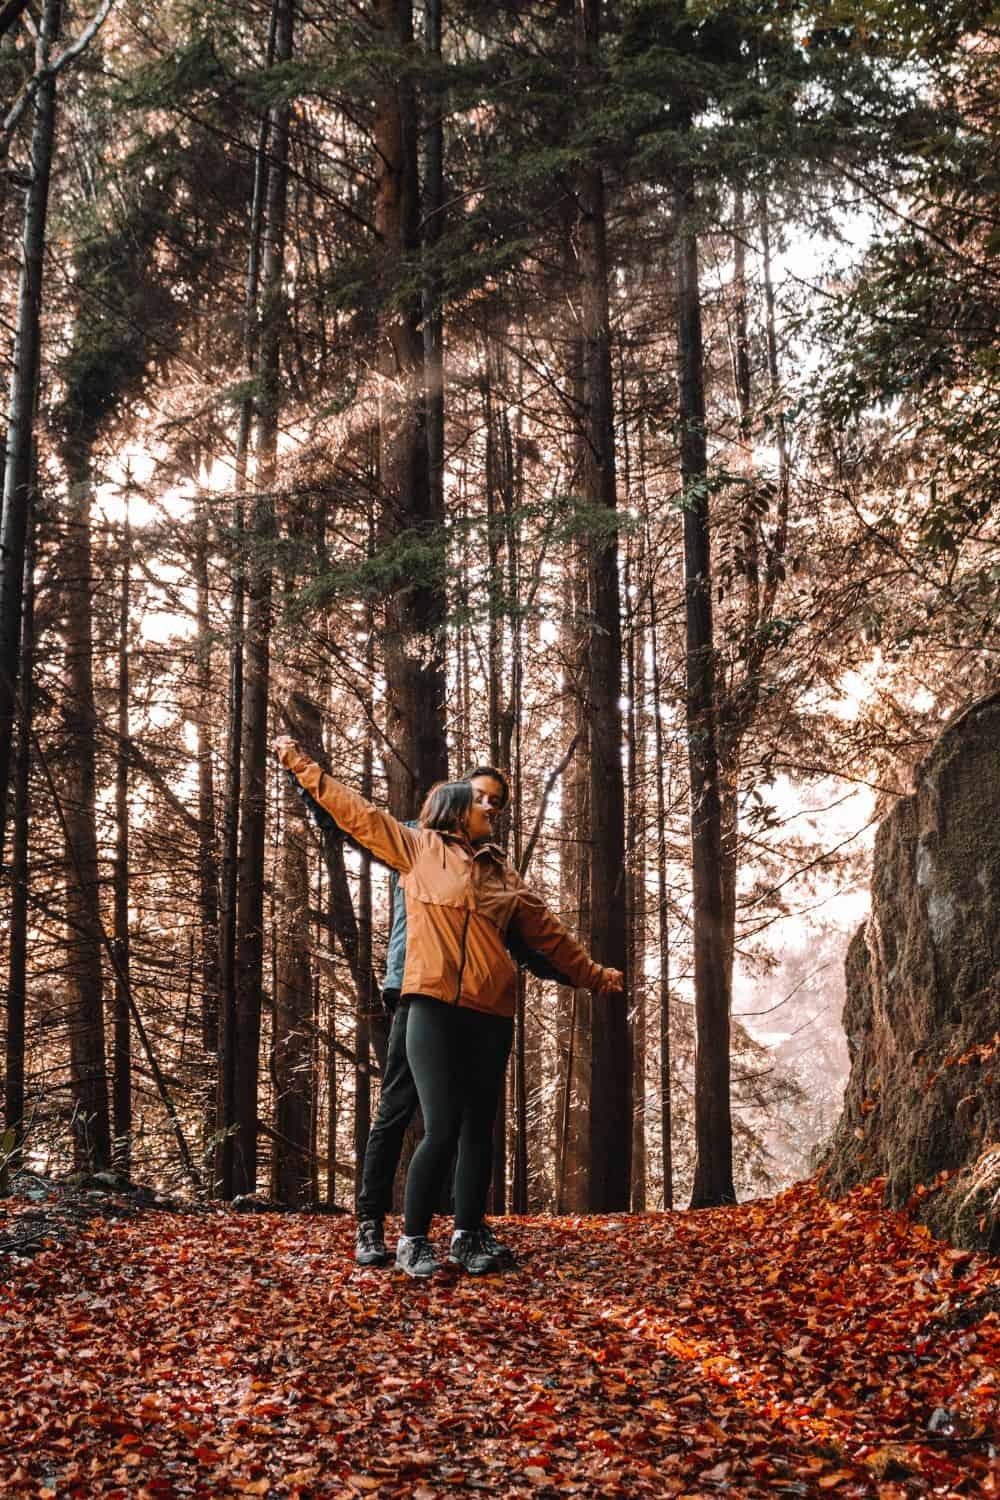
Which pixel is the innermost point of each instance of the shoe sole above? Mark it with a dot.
(480, 1270)
(378, 1260)
(417, 1275)
(501, 1262)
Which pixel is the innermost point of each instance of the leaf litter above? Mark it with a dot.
(792, 1347)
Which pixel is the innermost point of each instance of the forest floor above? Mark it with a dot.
(791, 1347)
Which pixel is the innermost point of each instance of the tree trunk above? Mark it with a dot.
(229, 855)
(663, 922)
(122, 1087)
(23, 400)
(739, 706)
(510, 758)
(364, 994)
(291, 1167)
(611, 1078)
(14, 1099)
(293, 1034)
(573, 1018)
(730, 730)
(433, 225)
(573, 1031)
(250, 884)
(713, 1180)
(208, 851)
(636, 696)
(88, 1067)
(415, 606)
(503, 666)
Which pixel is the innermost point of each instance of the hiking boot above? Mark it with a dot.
(369, 1244)
(416, 1256)
(470, 1250)
(493, 1246)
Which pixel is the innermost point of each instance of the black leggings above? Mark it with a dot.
(457, 1057)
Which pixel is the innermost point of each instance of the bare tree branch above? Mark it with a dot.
(48, 70)
(550, 782)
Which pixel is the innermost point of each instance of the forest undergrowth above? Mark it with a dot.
(790, 1347)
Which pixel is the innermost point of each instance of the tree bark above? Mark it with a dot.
(229, 854)
(433, 225)
(525, 1054)
(122, 1086)
(250, 885)
(713, 1180)
(24, 399)
(415, 606)
(208, 849)
(730, 728)
(663, 918)
(88, 1066)
(611, 1077)
(14, 1097)
(573, 1030)
(763, 564)
(364, 994)
(636, 759)
(573, 1018)
(291, 1166)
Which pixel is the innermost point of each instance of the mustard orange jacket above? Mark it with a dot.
(460, 901)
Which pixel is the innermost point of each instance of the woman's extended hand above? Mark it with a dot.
(282, 743)
(613, 982)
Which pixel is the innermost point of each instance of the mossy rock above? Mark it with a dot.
(922, 1011)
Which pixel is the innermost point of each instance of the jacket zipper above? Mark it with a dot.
(461, 962)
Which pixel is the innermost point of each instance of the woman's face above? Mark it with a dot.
(487, 802)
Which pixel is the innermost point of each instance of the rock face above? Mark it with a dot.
(922, 1015)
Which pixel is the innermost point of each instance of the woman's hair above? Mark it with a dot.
(446, 807)
(497, 774)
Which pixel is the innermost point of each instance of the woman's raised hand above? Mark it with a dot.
(282, 743)
(613, 982)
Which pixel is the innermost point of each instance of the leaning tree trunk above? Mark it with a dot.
(291, 1163)
(611, 1075)
(24, 399)
(411, 505)
(713, 1179)
(350, 929)
(250, 865)
(88, 1067)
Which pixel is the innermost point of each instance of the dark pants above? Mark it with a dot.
(396, 1108)
(457, 1057)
